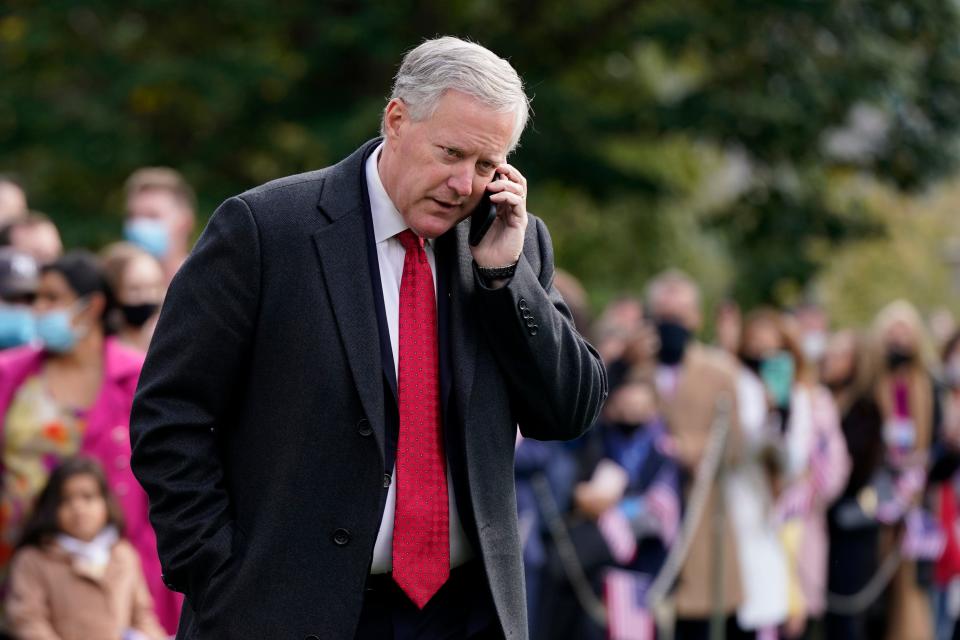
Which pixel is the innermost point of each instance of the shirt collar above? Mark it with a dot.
(387, 221)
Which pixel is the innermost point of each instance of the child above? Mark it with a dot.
(625, 514)
(73, 577)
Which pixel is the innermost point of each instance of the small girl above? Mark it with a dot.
(73, 577)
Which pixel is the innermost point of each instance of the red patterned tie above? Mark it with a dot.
(421, 546)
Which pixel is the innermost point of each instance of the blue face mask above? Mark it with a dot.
(55, 331)
(17, 326)
(152, 236)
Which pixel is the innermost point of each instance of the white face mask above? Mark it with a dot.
(814, 346)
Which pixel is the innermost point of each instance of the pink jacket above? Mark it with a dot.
(107, 439)
(828, 473)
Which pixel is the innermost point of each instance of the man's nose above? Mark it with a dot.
(462, 183)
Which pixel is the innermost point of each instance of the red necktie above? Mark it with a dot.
(421, 530)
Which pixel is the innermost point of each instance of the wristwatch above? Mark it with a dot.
(489, 274)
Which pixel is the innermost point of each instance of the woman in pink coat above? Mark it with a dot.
(69, 394)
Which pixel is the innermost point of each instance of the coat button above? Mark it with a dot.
(533, 330)
(341, 537)
(386, 480)
(522, 304)
(364, 428)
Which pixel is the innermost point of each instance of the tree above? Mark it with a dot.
(640, 111)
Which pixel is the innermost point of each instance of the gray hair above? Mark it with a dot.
(447, 63)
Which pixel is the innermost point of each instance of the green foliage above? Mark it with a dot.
(640, 110)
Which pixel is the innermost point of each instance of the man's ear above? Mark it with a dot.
(394, 117)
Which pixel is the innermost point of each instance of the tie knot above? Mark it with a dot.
(410, 240)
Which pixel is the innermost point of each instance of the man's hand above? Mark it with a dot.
(502, 244)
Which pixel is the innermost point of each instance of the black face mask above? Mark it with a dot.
(898, 357)
(753, 364)
(839, 385)
(673, 342)
(628, 428)
(136, 315)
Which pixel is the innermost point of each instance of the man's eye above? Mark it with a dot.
(452, 153)
(486, 167)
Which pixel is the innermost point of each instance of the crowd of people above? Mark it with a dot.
(78, 556)
(785, 481)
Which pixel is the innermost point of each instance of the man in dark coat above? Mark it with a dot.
(326, 420)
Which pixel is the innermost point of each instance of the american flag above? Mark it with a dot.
(625, 593)
(663, 501)
(618, 534)
(924, 538)
(795, 501)
(820, 465)
(908, 485)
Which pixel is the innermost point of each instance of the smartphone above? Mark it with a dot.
(482, 217)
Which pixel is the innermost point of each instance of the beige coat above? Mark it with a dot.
(705, 375)
(51, 599)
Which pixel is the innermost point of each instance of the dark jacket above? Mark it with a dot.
(259, 425)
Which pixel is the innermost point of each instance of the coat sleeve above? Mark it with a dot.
(557, 380)
(28, 611)
(143, 618)
(186, 398)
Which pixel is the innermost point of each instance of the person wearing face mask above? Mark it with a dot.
(849, 369)
(805, 461)
(140, 285)
(692, 381)
(161, 215)
(947, 498)
(18, 287)
(914, 453)
(71, 393)
(624, 515)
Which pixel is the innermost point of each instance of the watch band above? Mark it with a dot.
(497, 273)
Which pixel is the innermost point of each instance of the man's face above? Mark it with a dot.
(163, 206)
(438, 168)
(42, 241)
(13, 202)
(677, 303)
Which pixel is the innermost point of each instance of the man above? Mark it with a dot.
(161, 214)
(36, 235)
(328, 443)
(692, 382)
(19, 277)
(13, 200)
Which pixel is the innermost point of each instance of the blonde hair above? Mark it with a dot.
(902, 312)
(164, 179)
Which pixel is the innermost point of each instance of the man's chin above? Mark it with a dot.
(434, 226)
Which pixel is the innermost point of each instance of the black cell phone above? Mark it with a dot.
(482, 217)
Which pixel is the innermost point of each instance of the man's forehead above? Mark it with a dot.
(469, 125)
(675, 295)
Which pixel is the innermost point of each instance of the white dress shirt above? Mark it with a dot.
(387, 223)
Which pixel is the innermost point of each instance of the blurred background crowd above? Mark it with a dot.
(754, 203)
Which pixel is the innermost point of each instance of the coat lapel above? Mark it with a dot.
(342, 252)
(463, 329)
